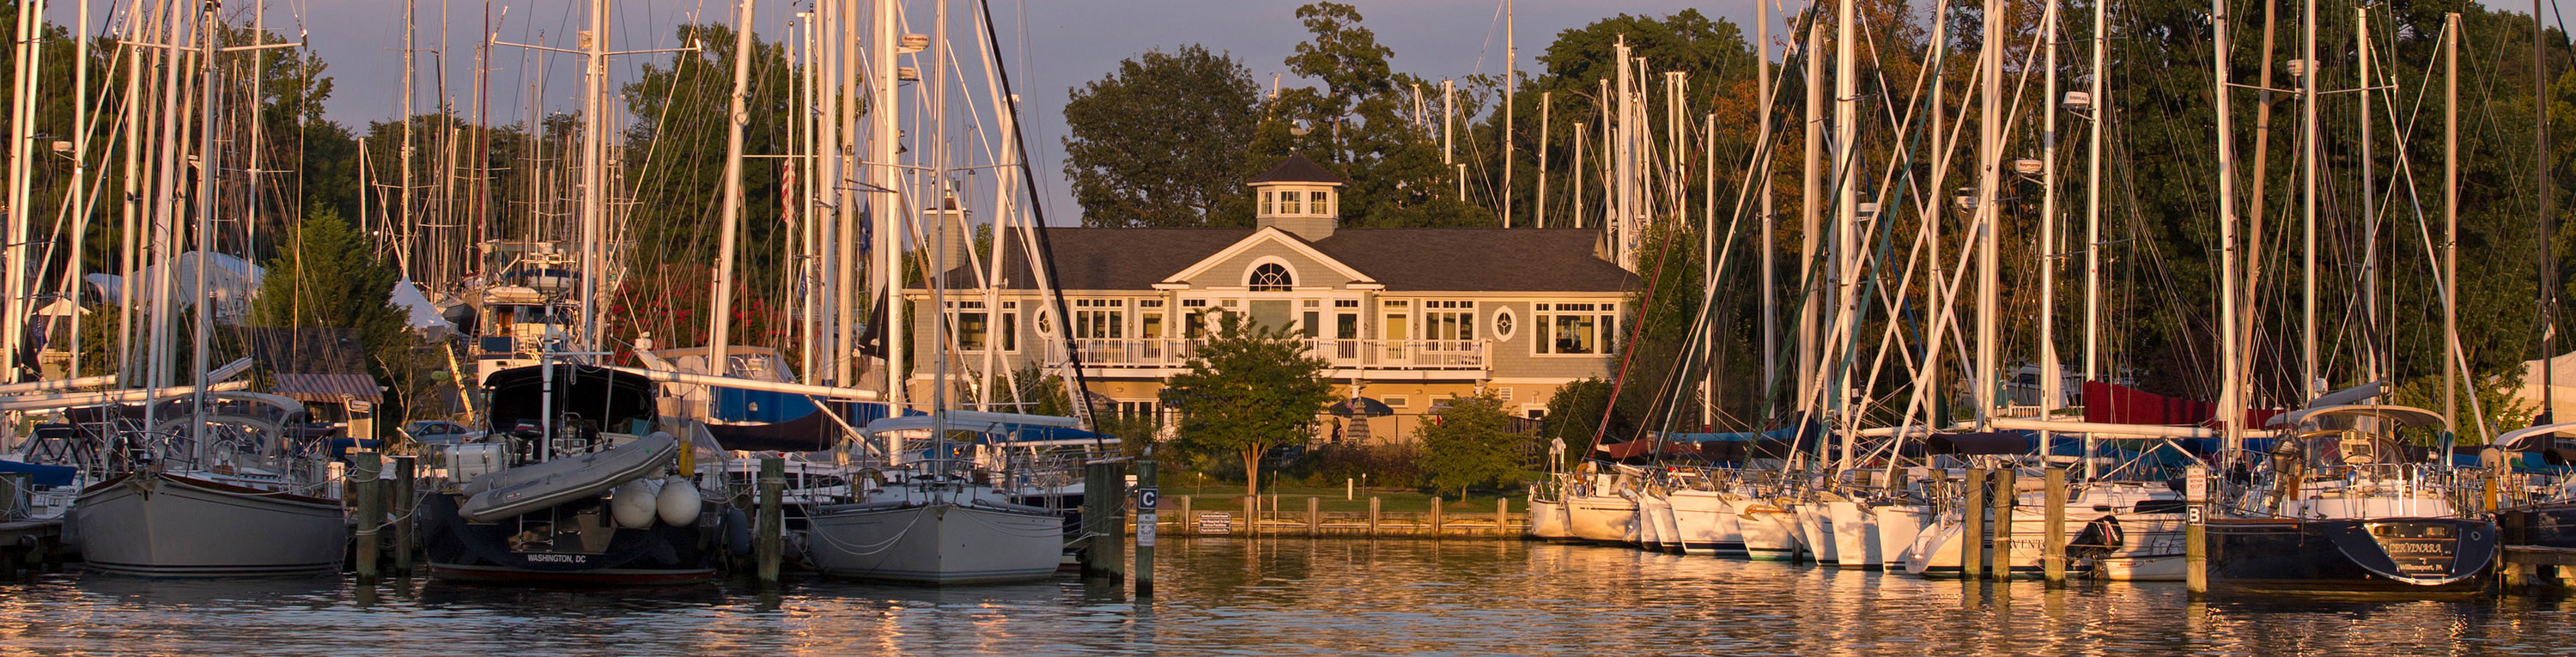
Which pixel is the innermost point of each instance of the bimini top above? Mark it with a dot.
(2402, 415)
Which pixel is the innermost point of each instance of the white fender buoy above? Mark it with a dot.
(632, 504)
(678, 502)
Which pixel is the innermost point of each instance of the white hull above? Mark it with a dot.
(1707, 523)
(1547, 520)
(940, 543)
(1770, 531)
(1654, 524)
(1898, 527)
(169, 525)
(1816, 531)
(1605, 519)
(2150, 550)
(1855, 530)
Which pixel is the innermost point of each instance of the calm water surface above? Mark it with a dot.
(1271, 597)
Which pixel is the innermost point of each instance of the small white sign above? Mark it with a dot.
(1216, 522)
(2193, 515)
(2195, 484)
(1144, 530)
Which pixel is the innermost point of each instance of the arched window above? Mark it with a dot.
(1271, 277)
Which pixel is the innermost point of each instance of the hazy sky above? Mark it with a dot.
(1053, 45)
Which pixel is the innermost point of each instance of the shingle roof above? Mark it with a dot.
(1296, 169)
(1403, 259)
(1478, 259)
(1115, 258)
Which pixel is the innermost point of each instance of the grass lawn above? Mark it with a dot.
(1221, 497)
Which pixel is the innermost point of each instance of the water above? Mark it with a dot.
(1279, 597)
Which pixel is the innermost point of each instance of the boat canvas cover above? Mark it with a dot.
(528, 488)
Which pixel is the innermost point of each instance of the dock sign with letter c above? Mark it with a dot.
(1147, 499)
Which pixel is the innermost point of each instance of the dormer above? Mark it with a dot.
(1298, 197)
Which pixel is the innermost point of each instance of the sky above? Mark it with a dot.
(1053, 45)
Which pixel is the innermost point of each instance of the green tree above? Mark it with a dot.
(1248, 390)
(1161, 142)
(1471, 444)
(326, 276)
(1576, 414)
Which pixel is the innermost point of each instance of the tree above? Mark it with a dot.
(326, 276)
(1161, 142)
(1471, 444)
(1248, 390)
(1576, 415)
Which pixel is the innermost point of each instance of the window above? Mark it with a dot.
(1266, 198)
(1503, 324)
(1318, 202)
(1288, 203)
(1453, 321)
(1099, 319)
(1270, 277)
(1577, 328)
(1398, 401)
(1195, 318)
(971, 321)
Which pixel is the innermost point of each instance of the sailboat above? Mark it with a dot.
(228, 491)
(940, 519)
(591, 491)
(2341, 507)
(206, 483)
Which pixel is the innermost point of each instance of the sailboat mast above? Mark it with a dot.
(888, 239)
(209, 166)
(1846, 212)
(2231, 400)
(2368, 356)
(2309, 143)
(2052, 383)
(1511, 80)
(2548, 223)
(720, 322)
(1811, 210)
(1989, 183)
(2100, 105)
(31, 18)
(1770, 297)
(2451, 222)
(594, 171)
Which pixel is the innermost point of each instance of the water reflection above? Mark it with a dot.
(1268, 597)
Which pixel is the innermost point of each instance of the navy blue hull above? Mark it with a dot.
(2390, 556)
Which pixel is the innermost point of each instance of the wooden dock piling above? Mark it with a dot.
(1502, 516)
(1147, 498)
(1435, 516)
(2052, 556)
(406, 535)
(769, 531)
(366, 483)
(2005, 498)
(1373, 516)
(1314, 515)
(1972, 538)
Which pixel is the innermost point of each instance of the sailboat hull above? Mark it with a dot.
(1547, 521)
(935, 543)
(2385, 556)
(576, 543)
(169, 525)
(1602, 519)
(1770, 531)
(1707, 525)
